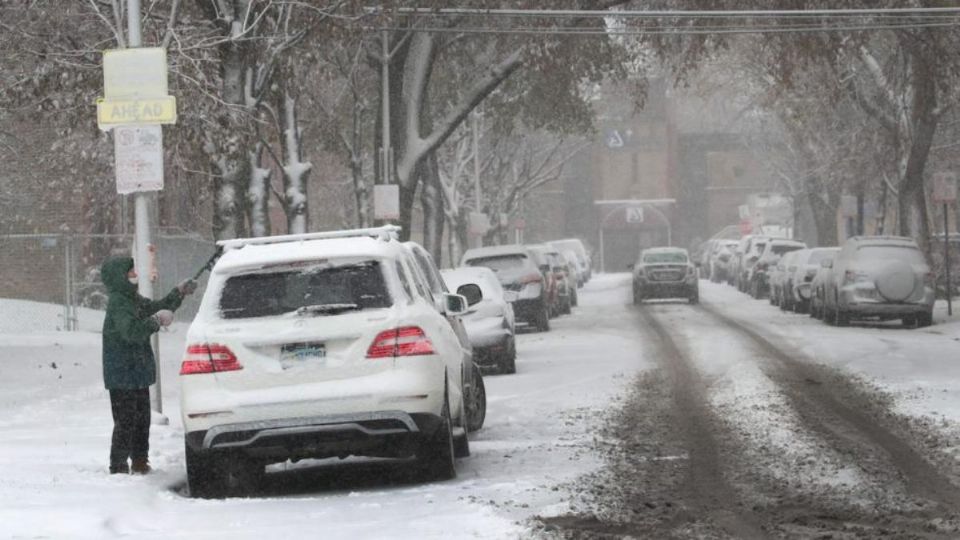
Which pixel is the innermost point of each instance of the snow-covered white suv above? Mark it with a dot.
(319, 345)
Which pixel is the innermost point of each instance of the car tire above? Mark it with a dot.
(841, 317)
(508, 361)
(695, 298)
(219, 475)
(542, 322)
(566, 306)
(476, 402)
(574, 300)
(436, 453)
(924, 319)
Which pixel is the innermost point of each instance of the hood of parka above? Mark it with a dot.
(113, 274)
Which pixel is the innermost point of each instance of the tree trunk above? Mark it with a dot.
(825, 218)
(259, 194)
(431, 199)
(296, 171)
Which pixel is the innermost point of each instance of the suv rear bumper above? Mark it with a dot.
(378, 434)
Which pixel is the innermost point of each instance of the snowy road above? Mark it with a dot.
(56, 425)
(740, 434)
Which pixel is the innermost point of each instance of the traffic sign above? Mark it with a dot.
(161, 110)
(634, 214)
(944, 187)
(139, 158)
(386, 201)
(136, 72)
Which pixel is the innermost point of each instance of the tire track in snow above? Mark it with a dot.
(813, 388)
(705, 484)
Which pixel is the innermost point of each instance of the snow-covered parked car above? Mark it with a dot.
(584, 263)
(779, 275)
(665, 272)
(880, 277)
(770, 254)
(721, 260)
(314, 346)
(524, 285)
(797, 291)
(489, 319)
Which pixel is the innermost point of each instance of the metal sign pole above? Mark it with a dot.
(946, 259)
(142, 230)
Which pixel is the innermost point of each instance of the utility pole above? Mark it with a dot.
(476, 169)
(385, 108)
(144, 253)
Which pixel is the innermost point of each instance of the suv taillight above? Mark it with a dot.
(405, 341)
(208, 358)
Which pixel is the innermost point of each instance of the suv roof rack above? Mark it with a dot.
(385, 233)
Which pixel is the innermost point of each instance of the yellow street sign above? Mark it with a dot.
(158, 110)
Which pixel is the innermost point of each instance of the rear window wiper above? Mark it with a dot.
(326, 309)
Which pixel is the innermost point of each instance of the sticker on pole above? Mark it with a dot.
(944, 187)
(139, 158)
(386, 201)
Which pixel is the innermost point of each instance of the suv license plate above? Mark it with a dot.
(296, 354)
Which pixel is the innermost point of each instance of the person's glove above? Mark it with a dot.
(164, 317)
(186, 287)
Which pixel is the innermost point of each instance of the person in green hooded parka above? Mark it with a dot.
(128, 362)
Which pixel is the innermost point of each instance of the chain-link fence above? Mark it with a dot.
(47, 281)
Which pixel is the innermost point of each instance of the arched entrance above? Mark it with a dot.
(628, 226)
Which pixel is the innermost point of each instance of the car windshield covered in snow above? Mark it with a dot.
(316, 287)
(675, 257)
(818, 255)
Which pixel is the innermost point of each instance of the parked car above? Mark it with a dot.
(779, 275)
(474, 389)
(566, 285)
(583, 256)
(818, 287)
(758, 274)
(665, 272)
(798, 284)
(879, 277)
(721, 260)
(745, 256)
(489, 319)
(571, 259)
(524, 286)
(703, 254)
(314, 346)
(539, 252)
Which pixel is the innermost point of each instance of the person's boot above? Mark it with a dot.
(140, 466)
(120, 468)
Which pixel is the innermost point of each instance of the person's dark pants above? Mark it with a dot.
(131, 425)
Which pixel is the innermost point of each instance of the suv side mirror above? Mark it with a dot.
(454, 304)
(470, 291)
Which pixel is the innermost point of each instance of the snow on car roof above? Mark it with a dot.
(493, 251)
(480, 275)
(665, 250)
(285, 252)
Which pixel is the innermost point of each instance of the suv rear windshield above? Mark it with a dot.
(908, 254)
(500, 262)
(665, 258)
(346, 286)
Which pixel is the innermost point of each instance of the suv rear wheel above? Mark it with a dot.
(542, 322)
(219, 475)
(436, 454)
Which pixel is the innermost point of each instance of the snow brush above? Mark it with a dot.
(210, 262)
